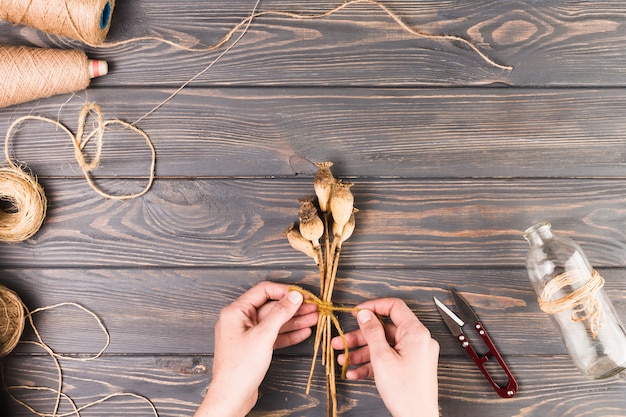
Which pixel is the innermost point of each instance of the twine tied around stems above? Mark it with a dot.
(328, 309)
(582, 302)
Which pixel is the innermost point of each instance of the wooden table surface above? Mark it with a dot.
(452, 160)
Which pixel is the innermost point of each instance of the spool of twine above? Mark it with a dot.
(12, 320)
(85, 20)
(24, 205)
(31, 73)
(582, 302)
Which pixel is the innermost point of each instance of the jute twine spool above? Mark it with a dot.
(25, 205)
(31, 73)
(84, 20)
(582, 302)
(12, 320)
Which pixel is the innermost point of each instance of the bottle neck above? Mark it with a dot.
(537, 234)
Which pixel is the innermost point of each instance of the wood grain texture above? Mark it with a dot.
(449, 169)
(425, 133)
(149, 311)
(550, 386)
(402, 223)
(549, 43)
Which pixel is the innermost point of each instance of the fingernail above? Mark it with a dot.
(295, 297)
(363, 316)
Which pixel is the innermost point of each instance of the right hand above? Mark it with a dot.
(401, 356)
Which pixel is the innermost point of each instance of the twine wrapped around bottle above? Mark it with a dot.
(31, 73)
(85, 20)
(582, 301)
(12, 320)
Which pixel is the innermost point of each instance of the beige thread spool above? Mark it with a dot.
(31, 73)
(85, 20)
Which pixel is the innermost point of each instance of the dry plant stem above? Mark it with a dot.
(333, 274)
(327, 251)
(316, 348)
(333, 257)
(331, 371)
(330, 376)
(320, 263)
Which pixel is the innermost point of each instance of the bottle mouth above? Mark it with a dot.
(538, 231)
(536, 227)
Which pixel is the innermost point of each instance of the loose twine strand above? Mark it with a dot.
(302, 16)
(246, 22)
(582, 302)
(80, 140)
(328, 309)
(60, 395)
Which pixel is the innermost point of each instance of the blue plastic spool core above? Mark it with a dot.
(105, 17)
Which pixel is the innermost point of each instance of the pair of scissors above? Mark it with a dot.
(455, 323)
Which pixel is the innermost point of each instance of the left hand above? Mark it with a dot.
(264, 318)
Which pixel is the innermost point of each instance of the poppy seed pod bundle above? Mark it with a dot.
(323, 184)
(320, 236)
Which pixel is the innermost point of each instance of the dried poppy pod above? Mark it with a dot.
(311, 226)
(299, 243)
(345, 233)
(341, 203)
(323, 184)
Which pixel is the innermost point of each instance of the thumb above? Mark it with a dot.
(281, 313)
(374, 334)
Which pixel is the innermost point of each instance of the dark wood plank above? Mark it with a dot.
(151, 311)
(367, 132)
(548, 386)
(547, 43)
(402, 223)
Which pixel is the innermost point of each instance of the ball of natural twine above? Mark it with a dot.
(23, 205)
(12, 319)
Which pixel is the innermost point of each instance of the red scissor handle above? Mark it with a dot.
(511, 387)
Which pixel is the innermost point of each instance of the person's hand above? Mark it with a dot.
(264, 318)
(401, 356)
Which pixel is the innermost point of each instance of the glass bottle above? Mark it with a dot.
(572, 293)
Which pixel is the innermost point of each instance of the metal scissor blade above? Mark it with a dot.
(465, 310)
(453, 321)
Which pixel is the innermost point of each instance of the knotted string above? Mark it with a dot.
(582, 302)
(328, 309)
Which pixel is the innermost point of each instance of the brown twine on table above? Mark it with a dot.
(245, 25)
(303, 16)
(60, 395)
(582, 301)
(12, 320)
(80, 140)
(328, 309)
